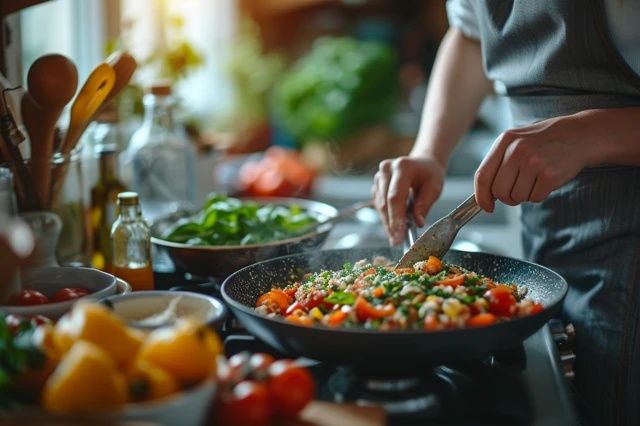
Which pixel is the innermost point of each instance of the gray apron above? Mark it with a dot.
(556, 58)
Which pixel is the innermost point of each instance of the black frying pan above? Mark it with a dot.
(370, 348)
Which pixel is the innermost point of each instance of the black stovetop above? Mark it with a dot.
(520, 386)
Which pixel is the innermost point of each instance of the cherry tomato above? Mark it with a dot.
(259, 364)
(501, 301)
(28, 297)
(291, 388)
(536, 308)
(237, 369)
(247, 405)
(292, 307)
(69, 293)
(315, 299)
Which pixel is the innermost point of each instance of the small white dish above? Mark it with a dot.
(152, 309)
(47, 280)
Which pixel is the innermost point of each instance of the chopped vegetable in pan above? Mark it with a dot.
(230, 221)
(431, 296)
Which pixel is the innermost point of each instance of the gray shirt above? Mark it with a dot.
(623, 18)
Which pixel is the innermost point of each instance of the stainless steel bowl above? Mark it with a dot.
(221, 261)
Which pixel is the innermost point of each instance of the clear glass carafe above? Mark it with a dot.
(160, 158)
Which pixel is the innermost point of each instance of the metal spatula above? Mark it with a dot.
(437, 239)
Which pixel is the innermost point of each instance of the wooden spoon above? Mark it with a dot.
(52, 81)
(124, 66)
(91, 96)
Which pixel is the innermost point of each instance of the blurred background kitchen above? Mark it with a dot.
(275, 97)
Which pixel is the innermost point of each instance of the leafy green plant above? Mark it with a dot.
(17, 354)
(339, 87)
(230, 221)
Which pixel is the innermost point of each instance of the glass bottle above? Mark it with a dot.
(103, 134)
(131, 244)
(161, 158)
(104, 195)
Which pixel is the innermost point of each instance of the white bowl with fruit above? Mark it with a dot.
(91, 367)
(51, 291)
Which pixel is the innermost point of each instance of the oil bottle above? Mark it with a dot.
(131, 244)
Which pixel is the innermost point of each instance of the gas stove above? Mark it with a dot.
(524, 385)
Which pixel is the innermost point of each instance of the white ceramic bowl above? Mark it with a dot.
(189, 407)
(48, 280)
(135, 308)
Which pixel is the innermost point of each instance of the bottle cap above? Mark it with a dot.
(128, 198)
(160, 88)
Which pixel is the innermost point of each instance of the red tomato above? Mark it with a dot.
(259, 363)
(247, 405)
(502, 302)
(292, 307)
(536, 308)
(237, 369)
(291, 388)
(69, 293)
(315, 299)
(28, 297)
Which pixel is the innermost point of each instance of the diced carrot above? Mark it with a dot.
(453, 281)
(299, 317)
(482, 320)
(402, 271)
(291, 291)
(378, 292)
(433, 265)
(358, 281)
(336, 318)
(364, 310)
(432, 323)
(275, 296)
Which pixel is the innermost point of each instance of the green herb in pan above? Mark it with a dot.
(230, 221)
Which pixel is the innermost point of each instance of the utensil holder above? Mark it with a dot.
(68, 201)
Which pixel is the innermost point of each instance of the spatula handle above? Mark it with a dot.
(465, 211)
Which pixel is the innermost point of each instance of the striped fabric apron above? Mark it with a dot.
(555, 58)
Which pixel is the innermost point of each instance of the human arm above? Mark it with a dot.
(527, 163)
(456, 88)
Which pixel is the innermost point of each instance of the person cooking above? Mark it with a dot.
(570, 71)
